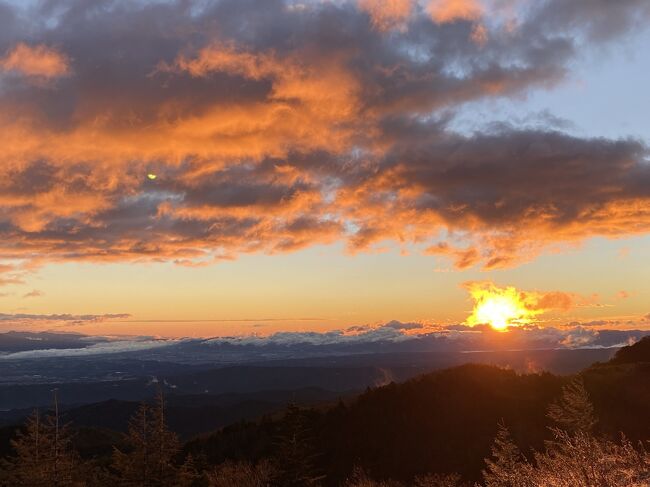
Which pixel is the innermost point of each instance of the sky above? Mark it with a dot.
(239, 167)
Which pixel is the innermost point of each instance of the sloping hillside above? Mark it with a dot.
(446, 421)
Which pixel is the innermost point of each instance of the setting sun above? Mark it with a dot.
(499, 307)
(497, 311)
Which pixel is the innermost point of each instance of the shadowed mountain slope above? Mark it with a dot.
(446, 421)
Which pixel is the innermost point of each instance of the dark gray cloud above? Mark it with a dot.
(398, 325)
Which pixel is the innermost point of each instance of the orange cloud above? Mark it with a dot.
(445, 11)
(463, 258)
(315, 130)
(479, 35)
(38, 61)
(387, 14)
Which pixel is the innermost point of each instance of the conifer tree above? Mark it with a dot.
(583, 460)
(295, 450)
(63, 458)
(507, 466)
(166, 445)
(188, 473)
(573, 411)
(149, 461)
(31, 447)
(43, 453)
(133, 467)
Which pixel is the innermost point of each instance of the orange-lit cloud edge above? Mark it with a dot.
(259, 144)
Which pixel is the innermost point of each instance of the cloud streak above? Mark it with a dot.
(39, 321)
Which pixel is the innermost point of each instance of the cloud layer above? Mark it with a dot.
(275, 125)
(29, 320)
(390, 337)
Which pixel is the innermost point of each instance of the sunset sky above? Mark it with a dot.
(230, 167)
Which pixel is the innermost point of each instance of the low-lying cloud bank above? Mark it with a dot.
(395, 336)
(318, 122)
(391, 337)
(102, 347)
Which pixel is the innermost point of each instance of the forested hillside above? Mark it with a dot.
(459, 426)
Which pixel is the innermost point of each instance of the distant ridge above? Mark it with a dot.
(638, 352)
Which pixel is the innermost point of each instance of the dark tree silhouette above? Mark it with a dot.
(295, 456)
(149, 461)
(242, 474)
(440, 480)
(360, 478)
(188, 473)
(32, 448)
(43, 454)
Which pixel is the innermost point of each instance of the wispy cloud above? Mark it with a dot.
(40, 321)
(10, 274)
(35, 293)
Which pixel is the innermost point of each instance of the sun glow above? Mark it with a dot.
(499, 307)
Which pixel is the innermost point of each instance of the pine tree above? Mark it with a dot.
(133, 468)
(166, 445)
(507, 466)
(188, 473)
(573, 411)
(295, 451)
(583, 460)
(43, 453)
(63, 458)
(152, 448)
(32, 446)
